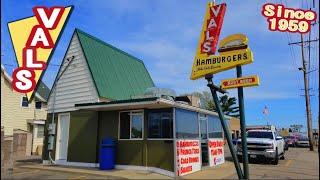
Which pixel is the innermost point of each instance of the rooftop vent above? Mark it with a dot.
(160, 92)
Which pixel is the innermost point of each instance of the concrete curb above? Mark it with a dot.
(71, 170)
(111, 174)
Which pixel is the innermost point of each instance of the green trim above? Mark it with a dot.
(118, 102)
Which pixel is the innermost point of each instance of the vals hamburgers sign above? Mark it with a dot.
(34, 40)
(233, 49)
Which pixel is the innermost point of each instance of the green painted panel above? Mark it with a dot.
(108, 124)
(160, 154)
(130, 152)
(82, 145)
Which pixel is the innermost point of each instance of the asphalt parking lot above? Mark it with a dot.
(299, 163)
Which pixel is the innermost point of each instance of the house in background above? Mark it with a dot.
(18, 114)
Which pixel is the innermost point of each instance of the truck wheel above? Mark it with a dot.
(276, 158)
(282, 157)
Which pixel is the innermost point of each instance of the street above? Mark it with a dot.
(299, 163)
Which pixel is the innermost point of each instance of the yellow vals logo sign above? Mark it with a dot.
(34, 39)
(224, 61)
(233, 50)
(208, 39)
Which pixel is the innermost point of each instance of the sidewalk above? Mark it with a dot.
(219, 172)
(110, 174)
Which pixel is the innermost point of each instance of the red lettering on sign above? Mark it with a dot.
(186, 169)
(213, 28)
(23, 78)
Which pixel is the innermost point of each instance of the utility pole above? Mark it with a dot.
(307, 95)
(306, 89)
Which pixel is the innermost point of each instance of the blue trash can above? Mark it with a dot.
(107, 154)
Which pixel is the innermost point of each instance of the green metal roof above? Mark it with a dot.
(117, 75)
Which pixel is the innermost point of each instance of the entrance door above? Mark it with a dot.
(204, 140)
(62, 136)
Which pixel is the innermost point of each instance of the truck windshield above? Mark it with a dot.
(260, 134)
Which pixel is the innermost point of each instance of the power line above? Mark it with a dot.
(47, 64)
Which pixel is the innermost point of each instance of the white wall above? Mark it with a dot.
(75, 85)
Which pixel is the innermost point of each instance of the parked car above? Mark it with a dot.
(234, 141)
(287, 141)
(303, 141)
(263, 143)
(292, 140)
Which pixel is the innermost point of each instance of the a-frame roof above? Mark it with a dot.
(117, 75)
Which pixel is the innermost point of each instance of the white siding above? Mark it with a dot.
(75, 85)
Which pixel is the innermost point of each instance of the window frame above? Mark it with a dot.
(135, 112)
(38, 130)
(22, 101)
(206, 119)
(163, 139)
(35, 105)
(223, 136)
(197, 123)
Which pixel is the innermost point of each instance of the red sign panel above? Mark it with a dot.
(211, 31)
(187, 156)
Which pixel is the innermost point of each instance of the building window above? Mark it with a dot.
(160, 125)
(203, 122)
(38, 104)
(40, 132)
(214, 127)
(131, 125)
(187, 125)
(24, 102)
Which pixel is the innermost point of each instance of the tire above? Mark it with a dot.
(275, 160)
(282, 157)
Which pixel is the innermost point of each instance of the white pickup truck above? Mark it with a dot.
(263, 143)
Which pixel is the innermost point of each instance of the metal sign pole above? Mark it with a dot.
(243, 128)
(214, 90)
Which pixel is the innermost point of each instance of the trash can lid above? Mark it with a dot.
(108, 141)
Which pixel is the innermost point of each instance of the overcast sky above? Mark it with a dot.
(164, 34)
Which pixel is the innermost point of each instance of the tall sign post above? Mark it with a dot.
(245, 158)
(205, 64)
(228, 45)
(233, 52)
(214, 89)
